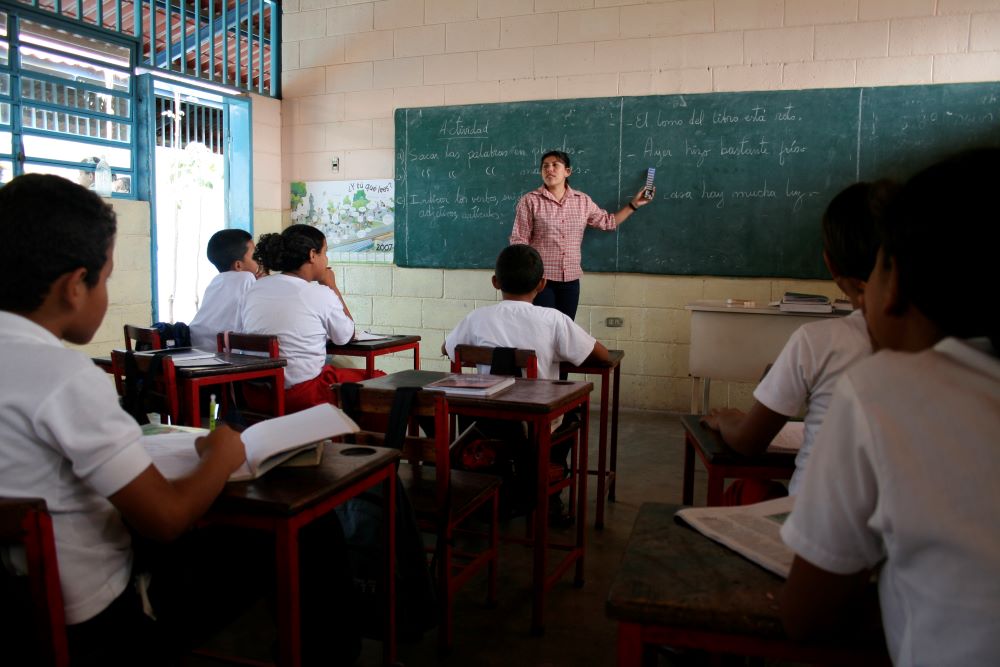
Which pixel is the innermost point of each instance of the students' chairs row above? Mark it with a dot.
(444, 499)
(25, 523)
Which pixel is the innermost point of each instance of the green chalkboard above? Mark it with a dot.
(742, 178)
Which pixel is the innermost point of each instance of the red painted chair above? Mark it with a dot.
(443, 499)
(162, 395)
(146, 338)
(26, 522)
(474, 355)
(259, 394)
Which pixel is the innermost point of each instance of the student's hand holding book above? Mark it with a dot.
(225, 444)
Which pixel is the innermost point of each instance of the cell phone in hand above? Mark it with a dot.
(647, 193)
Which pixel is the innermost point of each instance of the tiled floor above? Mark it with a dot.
(577, 630)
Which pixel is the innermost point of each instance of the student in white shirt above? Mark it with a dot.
(232, 253)
(63, 436)
(816, 354)
(515, 322)
(303, 307)
(904, 479)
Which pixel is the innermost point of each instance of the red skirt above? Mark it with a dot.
(305, 394)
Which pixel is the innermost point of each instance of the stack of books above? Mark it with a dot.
(796, 302)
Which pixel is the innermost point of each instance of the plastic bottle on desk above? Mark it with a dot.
(102, 178)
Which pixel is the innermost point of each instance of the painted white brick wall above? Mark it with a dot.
(347, 65)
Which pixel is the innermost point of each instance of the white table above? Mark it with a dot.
(733, 342)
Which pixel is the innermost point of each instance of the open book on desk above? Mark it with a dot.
(753, 531)
(268, 443)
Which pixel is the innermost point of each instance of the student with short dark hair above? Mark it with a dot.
(515, 322)
(64, 436)
(816, 354)
(303, 307)
(232, 253)
(903, 482)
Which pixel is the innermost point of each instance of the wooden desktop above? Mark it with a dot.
(369, 349)
(675, 587)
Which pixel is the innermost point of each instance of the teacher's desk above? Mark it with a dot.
(733, 342)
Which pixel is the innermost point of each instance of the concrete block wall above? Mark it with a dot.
(347, 64)
(129, 287)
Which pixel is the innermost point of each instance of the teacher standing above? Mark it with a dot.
(552, 220)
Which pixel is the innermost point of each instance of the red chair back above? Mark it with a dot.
(146, 338)
(227, 341)
(26, 522)
(164, 394)
(476, 355)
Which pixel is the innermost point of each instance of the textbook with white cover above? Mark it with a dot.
(471, 384)
(753, 531)
(268, 443)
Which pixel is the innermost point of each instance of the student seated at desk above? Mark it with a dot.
(231, 251)
(817, 353)
(66, 439)
(303, 307)
(904, 478)
(516, 323)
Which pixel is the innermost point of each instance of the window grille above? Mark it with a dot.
(229, 42)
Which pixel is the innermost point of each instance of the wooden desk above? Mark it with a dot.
(537, 402)
(736, 343)
(604, 474)
(369, 349)
(678, 588)
(190, 380)
(722, 462)
(287, 499)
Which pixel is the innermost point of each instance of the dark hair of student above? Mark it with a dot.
(289, 250)
(519, 269)
(943, 235)
(850, 227)
(227, 246)
(50, 226)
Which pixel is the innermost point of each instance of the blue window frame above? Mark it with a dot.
(67, 100)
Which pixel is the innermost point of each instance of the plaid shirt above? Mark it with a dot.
(555, 229)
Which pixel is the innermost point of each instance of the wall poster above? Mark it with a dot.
(358, 217)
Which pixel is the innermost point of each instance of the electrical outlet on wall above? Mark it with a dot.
(615, 321)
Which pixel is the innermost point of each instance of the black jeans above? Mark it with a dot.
(564, 297)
